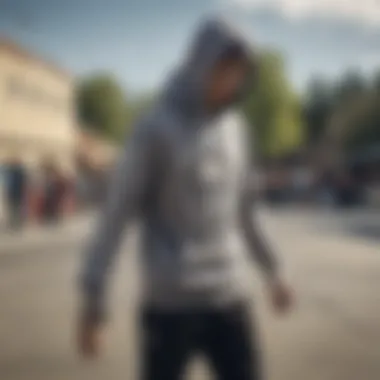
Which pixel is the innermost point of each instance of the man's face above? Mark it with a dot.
(226, 80)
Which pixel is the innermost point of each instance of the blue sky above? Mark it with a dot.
(140, 40)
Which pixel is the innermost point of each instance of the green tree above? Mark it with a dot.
(317, 108)
(363, 129)
(351, 118)
(101, 105)
(355, 107)
(351, 85)
(273, 110)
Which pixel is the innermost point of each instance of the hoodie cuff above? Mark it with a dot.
(92, 302)
(93, 309)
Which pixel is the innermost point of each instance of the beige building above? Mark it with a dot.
(37, 121)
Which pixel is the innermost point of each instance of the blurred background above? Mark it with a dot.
(75, 75)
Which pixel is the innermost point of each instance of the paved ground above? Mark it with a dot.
(333, 334)
(36, 236)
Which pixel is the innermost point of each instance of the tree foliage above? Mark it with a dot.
(347, 109)
(273, 109)
(101, 105)
(317, 109)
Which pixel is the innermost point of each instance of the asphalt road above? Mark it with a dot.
(333, 334)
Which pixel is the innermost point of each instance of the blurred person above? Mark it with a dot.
(53, 193)
(185, 174)
(67, 195)
(326, 188)
(16, 188)
(302, 182)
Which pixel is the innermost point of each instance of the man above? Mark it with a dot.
(185, 174)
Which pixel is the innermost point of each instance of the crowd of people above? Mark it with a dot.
(43, 197)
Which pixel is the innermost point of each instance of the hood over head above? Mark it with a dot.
(214, 40)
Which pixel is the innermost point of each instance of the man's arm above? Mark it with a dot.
(128, 184)
(280, 294)
(256, 241)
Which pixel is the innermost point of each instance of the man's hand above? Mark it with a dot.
(89, 338)
(281, 295)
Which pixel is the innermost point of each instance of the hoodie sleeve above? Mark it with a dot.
(127, 187)
(257, 243)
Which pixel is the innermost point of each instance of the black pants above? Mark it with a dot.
(224, 337)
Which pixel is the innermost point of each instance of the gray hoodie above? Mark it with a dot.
(185, 175)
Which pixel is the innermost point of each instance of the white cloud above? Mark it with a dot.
(365, 11)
